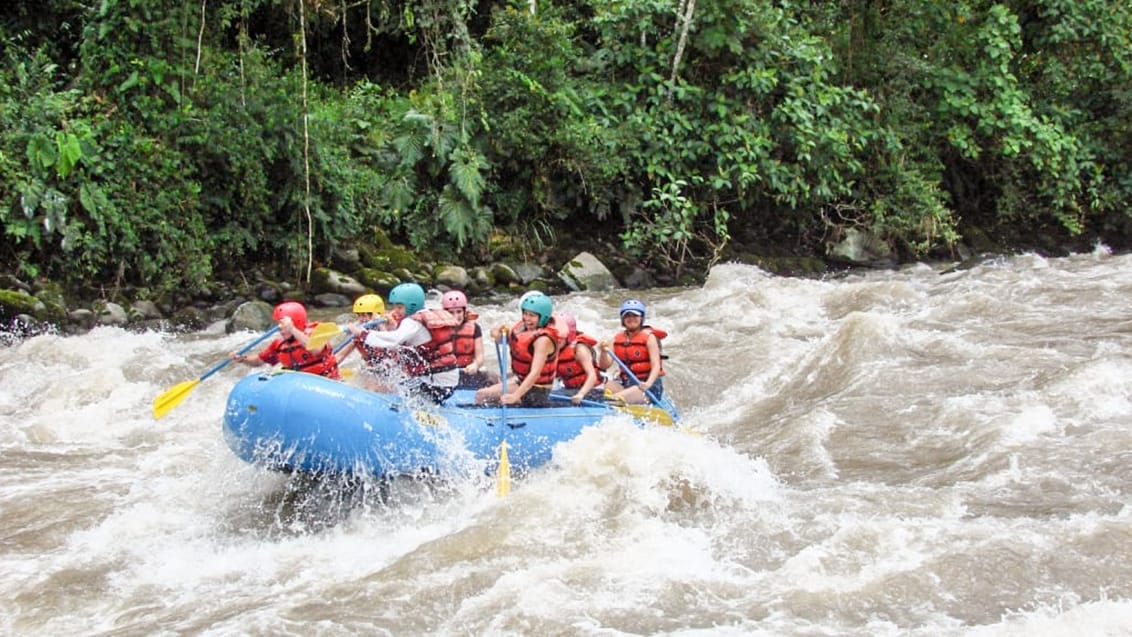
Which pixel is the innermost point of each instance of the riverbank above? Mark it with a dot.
(565, 261)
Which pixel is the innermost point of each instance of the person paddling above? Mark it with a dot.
(534, 351)
(638, 348)
(290, 348)
(421, 344)
(368, 308)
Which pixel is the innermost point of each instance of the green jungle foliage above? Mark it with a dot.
(161, 144)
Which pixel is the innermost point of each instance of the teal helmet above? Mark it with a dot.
(410, 295)
(539, 304)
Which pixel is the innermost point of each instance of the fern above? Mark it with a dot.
(466, 173)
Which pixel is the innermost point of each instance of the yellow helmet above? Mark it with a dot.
(369, 303)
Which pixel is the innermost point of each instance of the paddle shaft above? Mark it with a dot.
(240, 352)
(588, 403)
(655, 414)
(501, 349)
(636, 381)
(368, 325)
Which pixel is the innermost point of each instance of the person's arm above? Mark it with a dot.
(654, 362)
(603, 358)
(477, 357)
(288, 329)
(405, 334)
(346, 350)
(585, 358)
(255, 359)
(543, 348)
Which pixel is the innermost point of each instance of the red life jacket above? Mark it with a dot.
(439, 353)
(292, 355)
(571, 372)
(465, 341)
(523, 354)
(634, 352)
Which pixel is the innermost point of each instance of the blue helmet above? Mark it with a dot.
(539, 304)
(410, 295)
(634, 306)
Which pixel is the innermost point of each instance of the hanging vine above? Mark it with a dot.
(306, 143)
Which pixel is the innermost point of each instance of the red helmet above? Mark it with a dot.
(454, 300)
(295, 311)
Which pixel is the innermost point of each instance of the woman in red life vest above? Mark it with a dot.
(422, 344)
(576, 361)
(534, 349)
(290, 348)
(468, 343)
(638, 346)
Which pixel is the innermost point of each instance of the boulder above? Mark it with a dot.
(504, 275)
(110, 313)
(586, 273)
(858, 247)
(528, 271)
(254, 316)
(333, 281)
(452, 276)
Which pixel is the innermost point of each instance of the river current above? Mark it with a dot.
(928, 451)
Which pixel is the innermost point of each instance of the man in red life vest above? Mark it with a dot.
(638, 346)
(422, 344)
(290, 348)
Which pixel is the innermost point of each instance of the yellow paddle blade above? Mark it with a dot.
(172, 397)
(655, 415)
(322, 335)
(346, 374)
(503, 473)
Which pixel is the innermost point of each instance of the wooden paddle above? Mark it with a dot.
(173, 396)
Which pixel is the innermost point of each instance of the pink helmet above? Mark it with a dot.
(454, 300)
(568, 323)
(295, 311)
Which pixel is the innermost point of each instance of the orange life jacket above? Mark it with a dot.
(571, 372)
(464, 341)
(523, 354)
(293, 355)
(439, 353)
(634, 352)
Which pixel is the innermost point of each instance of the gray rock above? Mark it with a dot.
(254, 316)
(267, 293)
(586, 272)
(343, 284)
(329, 299)
(145, 310)
(82, 317)
(860, 247)
(452, 276)
(110, 313)
(528, 271)
(504, 275)
(349, 257)
(640, 278)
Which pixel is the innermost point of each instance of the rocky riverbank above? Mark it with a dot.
(587, 264)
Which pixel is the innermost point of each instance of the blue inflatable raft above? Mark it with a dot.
(292, 421)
